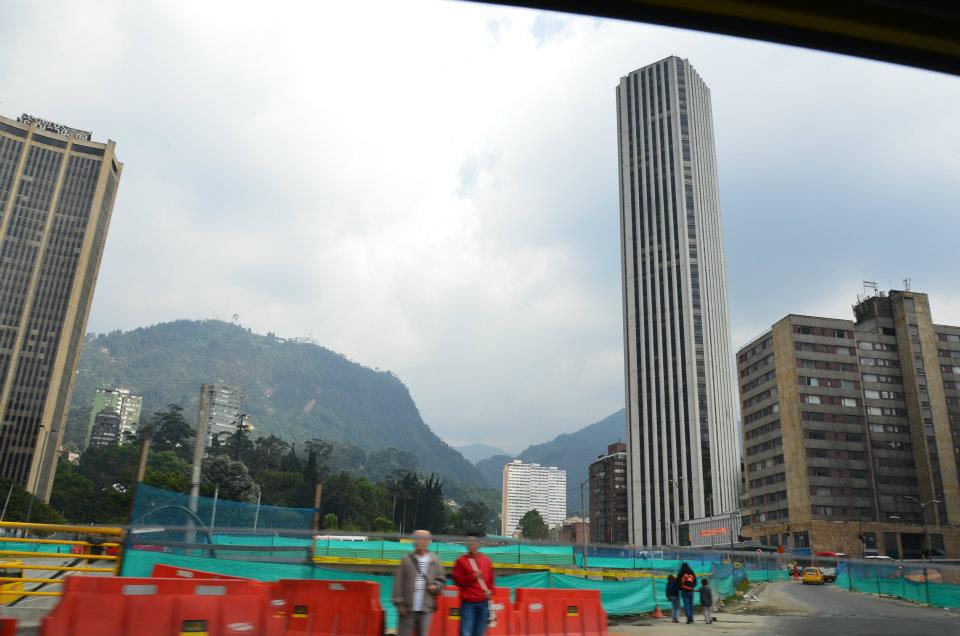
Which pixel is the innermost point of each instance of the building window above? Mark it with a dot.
(801, 540)
(849, 401)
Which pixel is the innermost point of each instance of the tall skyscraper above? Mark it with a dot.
(681, 407)
(57, 189)
(125, 405)
(850, 431)
(529, 487)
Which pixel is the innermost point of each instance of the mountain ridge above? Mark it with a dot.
(574, 452)
(293, 388)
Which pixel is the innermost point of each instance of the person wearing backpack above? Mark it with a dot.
(473, 574)
(673, 595)
(416, 584)
(688, 581)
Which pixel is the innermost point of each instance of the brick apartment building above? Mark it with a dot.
(852, 431)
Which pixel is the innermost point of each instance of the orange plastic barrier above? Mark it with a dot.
(164, 571)
(8, 626)
(446, 620)
(542, 612)
(322, 608)
(120, 606)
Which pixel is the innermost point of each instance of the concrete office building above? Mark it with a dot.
(851, 428)
(106, 430)
(680, 400)
(57, 189)
(218, 410)
(608, 497)
(126, 405)
(529, 487)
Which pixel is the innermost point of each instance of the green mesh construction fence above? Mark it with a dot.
(632, 596)
(925, 583)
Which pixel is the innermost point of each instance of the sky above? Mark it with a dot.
(431, 187)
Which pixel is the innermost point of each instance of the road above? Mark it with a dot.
(791, 609)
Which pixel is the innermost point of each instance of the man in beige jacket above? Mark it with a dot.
(416, 584)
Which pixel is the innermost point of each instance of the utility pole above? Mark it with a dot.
(583, 526)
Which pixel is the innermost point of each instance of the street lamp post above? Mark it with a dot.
(923, 513)
(899, 549)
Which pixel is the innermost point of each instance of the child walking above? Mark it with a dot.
(706, 600)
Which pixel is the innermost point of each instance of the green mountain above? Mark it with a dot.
(477, 452)
(295, 389)
(574, 452)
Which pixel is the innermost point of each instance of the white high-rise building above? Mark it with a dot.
(681, 407)
(218, 410)
(529, 487)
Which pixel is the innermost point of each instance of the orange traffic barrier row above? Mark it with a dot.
(184, 602)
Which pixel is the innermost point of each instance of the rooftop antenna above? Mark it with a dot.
(906, 284)
(869, 286)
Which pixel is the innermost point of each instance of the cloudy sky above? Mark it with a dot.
(430, 187)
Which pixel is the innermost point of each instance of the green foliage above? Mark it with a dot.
(532, 526)
(330, 521)
(169, 431)
(294, 389)
(22, 506)
(229, 478)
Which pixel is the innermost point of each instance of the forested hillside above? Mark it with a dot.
(295, 389)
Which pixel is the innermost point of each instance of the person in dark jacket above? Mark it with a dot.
(688, 581)
(706, 600)
(416, 584)
(673, 595)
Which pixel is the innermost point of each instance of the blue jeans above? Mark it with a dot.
(473, 617)
(687, 598)
(675, 604)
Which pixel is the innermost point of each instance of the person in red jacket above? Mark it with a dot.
(473, 574)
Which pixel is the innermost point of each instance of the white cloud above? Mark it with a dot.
(431, 187)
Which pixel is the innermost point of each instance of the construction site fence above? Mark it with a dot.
(925, 582)
(629, 596)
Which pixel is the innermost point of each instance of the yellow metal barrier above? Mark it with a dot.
(12, 579)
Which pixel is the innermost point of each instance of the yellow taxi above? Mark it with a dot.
(812, 576)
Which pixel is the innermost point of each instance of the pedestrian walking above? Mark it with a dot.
(688, 581)
(473, 574)
(673, 595)
(416, 584)
(706, 600)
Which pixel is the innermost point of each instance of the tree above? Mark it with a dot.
(231, 477)
(475, 518)
(268, 453)
(171, 432)
(329, 521)
(532, 526)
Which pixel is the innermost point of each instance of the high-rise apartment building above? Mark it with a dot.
(529, 487)
(57, 189)
(608, 497)
(125, 404)
(105, 430)
(852, 430)
(218, 410)
(680, 400)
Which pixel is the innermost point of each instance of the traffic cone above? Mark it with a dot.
(656, 611)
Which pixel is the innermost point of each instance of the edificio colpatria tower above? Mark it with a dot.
(681, 407)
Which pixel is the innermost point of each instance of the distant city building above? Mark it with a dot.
(529, 487)
(120, 401)
(850, 427)
(106, 430)
(571, 530)
(57, 189)
(218, 410)
(608, 497)
(680, 401)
